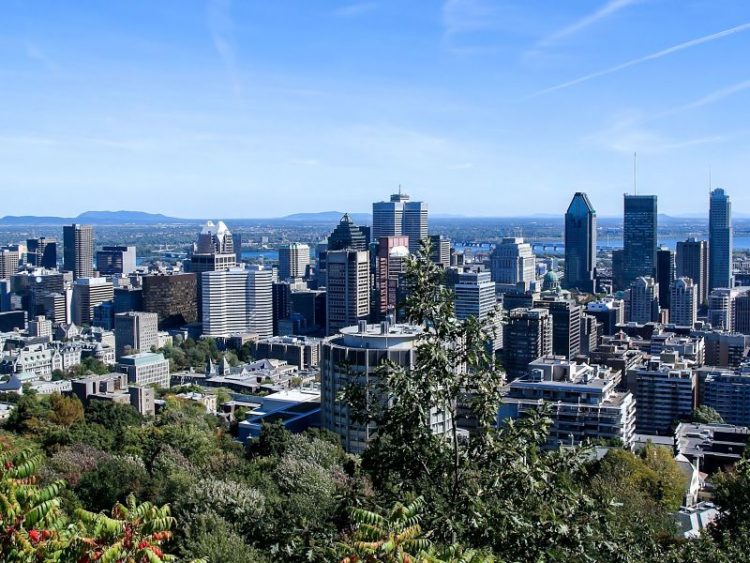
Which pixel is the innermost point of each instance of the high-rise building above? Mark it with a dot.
(87, 294)
(346, 236)
(390, 270)
(580, 244)
(78, 250)
(135, 332)
(475, 295)
(566, 325)
(608, 312)
(41, 252)
(112, 260)
(237, 244)
(9, 260)
(237, 301)
(128, 298)
(294, 259)
(172, 297)
(400, 217)
(721, 303)
(441, 251)
(527, 336)
(684, 302)
(692, 262)
(639, 237)
(40, 326)
(742, 313)
(348, 288)
(353, 357)
(720, 241)
(665, 392)
(665, 275)
(214, 252)
(513, 264)
(729, 395)
(642, 301)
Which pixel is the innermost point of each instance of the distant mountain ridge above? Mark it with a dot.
(328, 217)
(95, 218)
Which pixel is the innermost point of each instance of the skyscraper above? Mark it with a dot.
(293, 261)
(642, 301)
(42, 252)
(347, 235)
(475, 295)
(238, 300)
(566, 325)
(348, 288)
(389, 278)
(720, 241)
(580, 244)
(87, 293)
(135, 332)
(172, 297)
(684, 302)
(721, 305)
(400, 217)
(78, 250)
(528, 336)
(692, 262)
(512, 264)
(112, 260)
(665, 275)
(639, 237)
(441, 250)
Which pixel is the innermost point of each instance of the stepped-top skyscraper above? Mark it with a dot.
(400, 217)
(78, 250)
(580, 244)
(639, 237)
(720, 241)
(347, 236)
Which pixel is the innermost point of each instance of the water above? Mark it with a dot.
(266, 254)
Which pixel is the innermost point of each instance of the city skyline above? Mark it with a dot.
(492, 100)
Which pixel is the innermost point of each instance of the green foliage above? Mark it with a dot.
(706, 415)
(111, 481)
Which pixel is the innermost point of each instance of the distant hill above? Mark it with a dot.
(95, 218)
(328, 217)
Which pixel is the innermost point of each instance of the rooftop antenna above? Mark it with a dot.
(635, 173)
(399, 189)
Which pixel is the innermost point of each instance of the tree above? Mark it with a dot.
(66, 411)
(706, 415)
(110, 482)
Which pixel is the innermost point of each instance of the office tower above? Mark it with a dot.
(282, 306)
(639, 237)
(527, 336)
(441, 251)
(665, 392)
(145, 368)
(42, 252)
(354, 356)
(214, 250)
(580, 244)
(310, 304)
(566, 325)
(9, 260)
(128, 299)
(475, 295)
(390, 266)
(721, 303)
(172, 297)
(584, 403)
(512, 264)
(237, 244)
(400, 217)
(608, 312)
(618, 269)
(293, 261)
(729, 395)
(348, 288)
(665, 275)
(692, 262)
(720, 241)
(135, 332)
(642, 301)
(78, 250)
(742, 313)
(346, 236)
(238, 301)
(591, 331)
(112, 260)
(88, 293)
(684, 301)
(54, 307)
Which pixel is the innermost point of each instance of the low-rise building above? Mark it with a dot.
(711, 447)
(296, 409)
(145, 368)
(302, 351)
(585, 403)
(114, 387)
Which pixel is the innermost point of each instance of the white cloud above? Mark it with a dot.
(355, 9)
(222, 34)
(608, 9)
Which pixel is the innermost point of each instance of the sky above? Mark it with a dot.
(256, 108)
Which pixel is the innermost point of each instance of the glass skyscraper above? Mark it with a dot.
(580, 244)
(720, 241)
(639, 237)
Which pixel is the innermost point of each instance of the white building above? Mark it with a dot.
(239, 300)
(683, 302)
(145, 368)
(293, 261)
(513, 263)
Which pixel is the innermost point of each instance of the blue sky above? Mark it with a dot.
(262, 108)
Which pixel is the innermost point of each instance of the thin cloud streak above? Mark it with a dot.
(653, 56)
(354, 10)
(709, 99)
(221, 28)
(610, 8)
